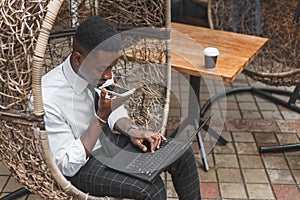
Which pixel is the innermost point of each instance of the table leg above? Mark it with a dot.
(195, 89)
(193, 115)
(201, 148)
(194, 119)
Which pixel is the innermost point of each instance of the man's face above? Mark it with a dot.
(96, 68)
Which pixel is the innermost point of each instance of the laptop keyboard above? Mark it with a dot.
(146, 163)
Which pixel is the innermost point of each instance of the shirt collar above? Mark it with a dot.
(77, 83)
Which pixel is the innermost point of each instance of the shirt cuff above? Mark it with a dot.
(76, 153)
(117, 114)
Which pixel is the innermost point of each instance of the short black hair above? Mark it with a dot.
(94, 31)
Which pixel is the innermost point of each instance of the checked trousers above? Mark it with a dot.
(98, 180)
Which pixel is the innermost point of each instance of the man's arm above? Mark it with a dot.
(103, 115)
(67, 150)
(91, 135)
(138, 136)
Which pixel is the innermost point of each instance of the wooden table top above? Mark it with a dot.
(236, 51)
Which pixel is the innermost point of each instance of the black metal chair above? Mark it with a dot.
(279, 62)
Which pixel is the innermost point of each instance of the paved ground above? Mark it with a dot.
(237, 169)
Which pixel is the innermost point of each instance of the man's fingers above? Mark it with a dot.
(140, 145)
(157, 141)
(152, 144)
(103, 93)
(158, 137)
(154, 141)
(107, 102)
(163, 137)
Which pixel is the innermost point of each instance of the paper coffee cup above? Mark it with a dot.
(210, 57)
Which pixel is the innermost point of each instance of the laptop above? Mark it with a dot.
(147, 165)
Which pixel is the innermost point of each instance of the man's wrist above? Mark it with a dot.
(100, 119)
(131, 127)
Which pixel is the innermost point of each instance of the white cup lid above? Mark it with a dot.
(211, 51)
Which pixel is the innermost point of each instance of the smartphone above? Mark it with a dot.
(119, 91)
(116, 90)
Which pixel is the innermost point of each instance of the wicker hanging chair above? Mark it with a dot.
(35, 37)
(278, 64)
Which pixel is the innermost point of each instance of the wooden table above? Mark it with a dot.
(236, 52)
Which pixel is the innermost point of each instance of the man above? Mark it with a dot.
(74, 127)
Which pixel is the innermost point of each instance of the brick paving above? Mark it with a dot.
(237, 169)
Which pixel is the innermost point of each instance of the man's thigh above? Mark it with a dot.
(98, 180)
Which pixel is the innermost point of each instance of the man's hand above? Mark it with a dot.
(107, 103)
(138, 137)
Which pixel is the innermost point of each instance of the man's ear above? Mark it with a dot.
(76, 60)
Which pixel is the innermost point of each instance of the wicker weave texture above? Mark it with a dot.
(136, 13)
(21, 152)
(20, 22)
(279, 62)
(24, 24)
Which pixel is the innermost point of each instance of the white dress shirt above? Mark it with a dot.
(69, 109)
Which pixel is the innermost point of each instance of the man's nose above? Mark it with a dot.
(104, 77)
(107, 74)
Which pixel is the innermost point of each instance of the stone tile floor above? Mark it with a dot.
(237, 169)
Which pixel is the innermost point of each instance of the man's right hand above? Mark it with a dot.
(107, 103)
(138, 137)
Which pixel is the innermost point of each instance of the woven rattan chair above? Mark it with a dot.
(279, 62)
(35, 37)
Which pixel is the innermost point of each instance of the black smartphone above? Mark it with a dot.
(116, 90)
(119, 91)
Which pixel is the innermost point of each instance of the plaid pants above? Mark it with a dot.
(98, 180)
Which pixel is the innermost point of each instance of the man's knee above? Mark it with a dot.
(155, 191)
(187, 159)
(188, 154)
